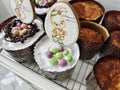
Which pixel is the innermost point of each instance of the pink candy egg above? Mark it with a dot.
(49, 54)
(23, 25)
(61, 48)
(62, 62)
(18, 24)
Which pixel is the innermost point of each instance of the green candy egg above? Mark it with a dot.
(55, 50)
(59, 55)
(69, 58)
(37, 1)
(65, 52)
(53, 61)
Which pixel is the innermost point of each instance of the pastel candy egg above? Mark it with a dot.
(61, 48)
(65, 52)
(62, 63)
(16, 32)
(59, 55)
(23, 25)
(18, 24)
(37, 1)
(22, 32)
(69, 58)
(53, 61)
(49, 54)
(55, 50)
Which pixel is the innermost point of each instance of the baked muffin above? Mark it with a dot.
(111, 20)
(91, 38)
(88, 10)
(106, 74)
(112, 45)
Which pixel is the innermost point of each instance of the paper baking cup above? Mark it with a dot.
(89, 49)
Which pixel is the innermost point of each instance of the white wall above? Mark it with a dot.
(5, 10)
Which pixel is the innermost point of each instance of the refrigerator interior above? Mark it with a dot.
(78, 79)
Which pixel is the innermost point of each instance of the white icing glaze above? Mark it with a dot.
(28, 42)
(40, 55)
(23, 10)
(61, 24)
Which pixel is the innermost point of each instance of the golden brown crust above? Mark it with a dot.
(107, 73)
(91, 10)
(115, 38)
(90, 35)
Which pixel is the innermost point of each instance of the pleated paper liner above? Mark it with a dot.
(59, 75)
(111, 20)
(89, 49)
(77, 8)
(112, 45)
(91, 82)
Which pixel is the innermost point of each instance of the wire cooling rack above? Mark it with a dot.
(77, 81)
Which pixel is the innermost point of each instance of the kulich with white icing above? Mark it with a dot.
(62, 52)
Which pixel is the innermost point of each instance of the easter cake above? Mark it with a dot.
(57, 53)
(19, 34)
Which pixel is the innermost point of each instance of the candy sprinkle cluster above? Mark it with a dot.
(59, 56)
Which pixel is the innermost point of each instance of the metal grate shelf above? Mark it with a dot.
(77, 81)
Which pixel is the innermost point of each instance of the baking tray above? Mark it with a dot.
(31, 72)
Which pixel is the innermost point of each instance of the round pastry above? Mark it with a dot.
(112, 45)
(91, 38)
(111, 20)
(59, 66)
(88, 10)
(105, 74)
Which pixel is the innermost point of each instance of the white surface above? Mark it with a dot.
(108, 4)
(9, 81)
(27, 74)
